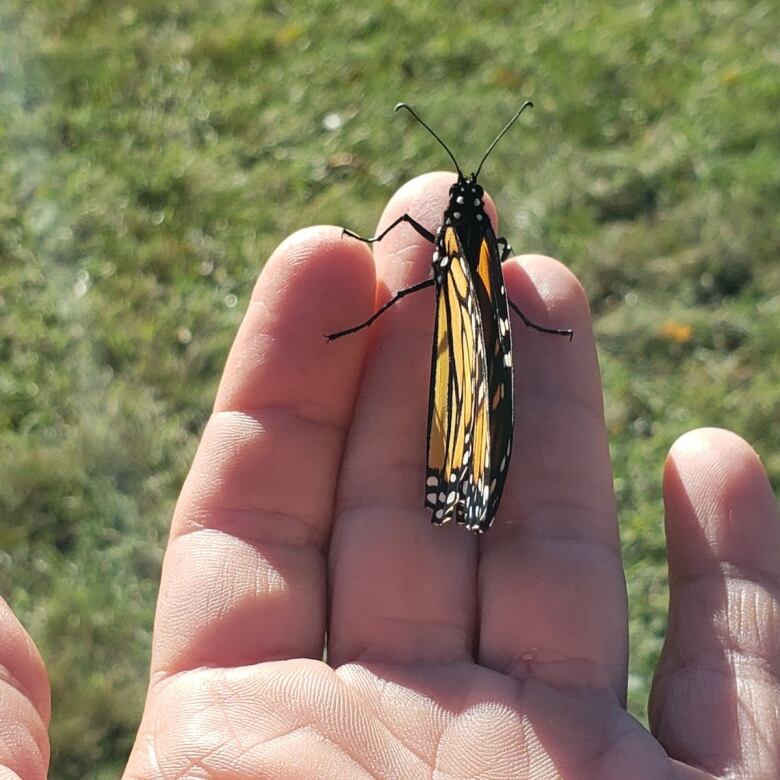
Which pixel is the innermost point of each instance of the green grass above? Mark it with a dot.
(152, 155)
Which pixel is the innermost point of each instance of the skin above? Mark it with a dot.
(448, 656)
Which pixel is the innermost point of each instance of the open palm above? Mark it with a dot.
(448, 656)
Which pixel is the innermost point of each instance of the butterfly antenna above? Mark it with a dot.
(446, 148)
(527, 104)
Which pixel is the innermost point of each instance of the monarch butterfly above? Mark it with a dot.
(470, 406)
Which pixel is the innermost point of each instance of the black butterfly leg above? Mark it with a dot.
(397, 297)
(531, 324)
(427, 235)
(505, 252)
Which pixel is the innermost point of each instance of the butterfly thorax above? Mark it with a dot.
(466, 202)
(465, 214)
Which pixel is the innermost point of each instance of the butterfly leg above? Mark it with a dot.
(506, 249)
(556, 331)
(426, 234)
(397, 297)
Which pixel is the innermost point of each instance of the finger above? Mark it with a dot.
(402, 589)
(244, 577)
(715, 702)
(25, 704)
(552, 592)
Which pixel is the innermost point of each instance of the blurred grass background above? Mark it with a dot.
(152, 155)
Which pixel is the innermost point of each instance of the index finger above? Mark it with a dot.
(244, 573)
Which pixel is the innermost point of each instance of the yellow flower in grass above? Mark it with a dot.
(678, 332)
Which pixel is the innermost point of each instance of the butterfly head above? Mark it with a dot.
(466, 201)
(467, 184)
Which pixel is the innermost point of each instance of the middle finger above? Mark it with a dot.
(402, 589)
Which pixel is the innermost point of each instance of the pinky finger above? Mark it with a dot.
(24, 702)
(715, 702)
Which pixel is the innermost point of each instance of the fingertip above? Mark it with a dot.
(433, 182)
(309, 240)
(321, 255)
(715, 461)
(316, 282)
(706, 443)
(403, 256)
(717, 494)
(319, 273)
(552, 281)
(21, 664)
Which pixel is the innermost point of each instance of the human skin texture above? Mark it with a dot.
(448, 655)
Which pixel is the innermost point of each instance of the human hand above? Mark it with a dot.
(503, 657)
